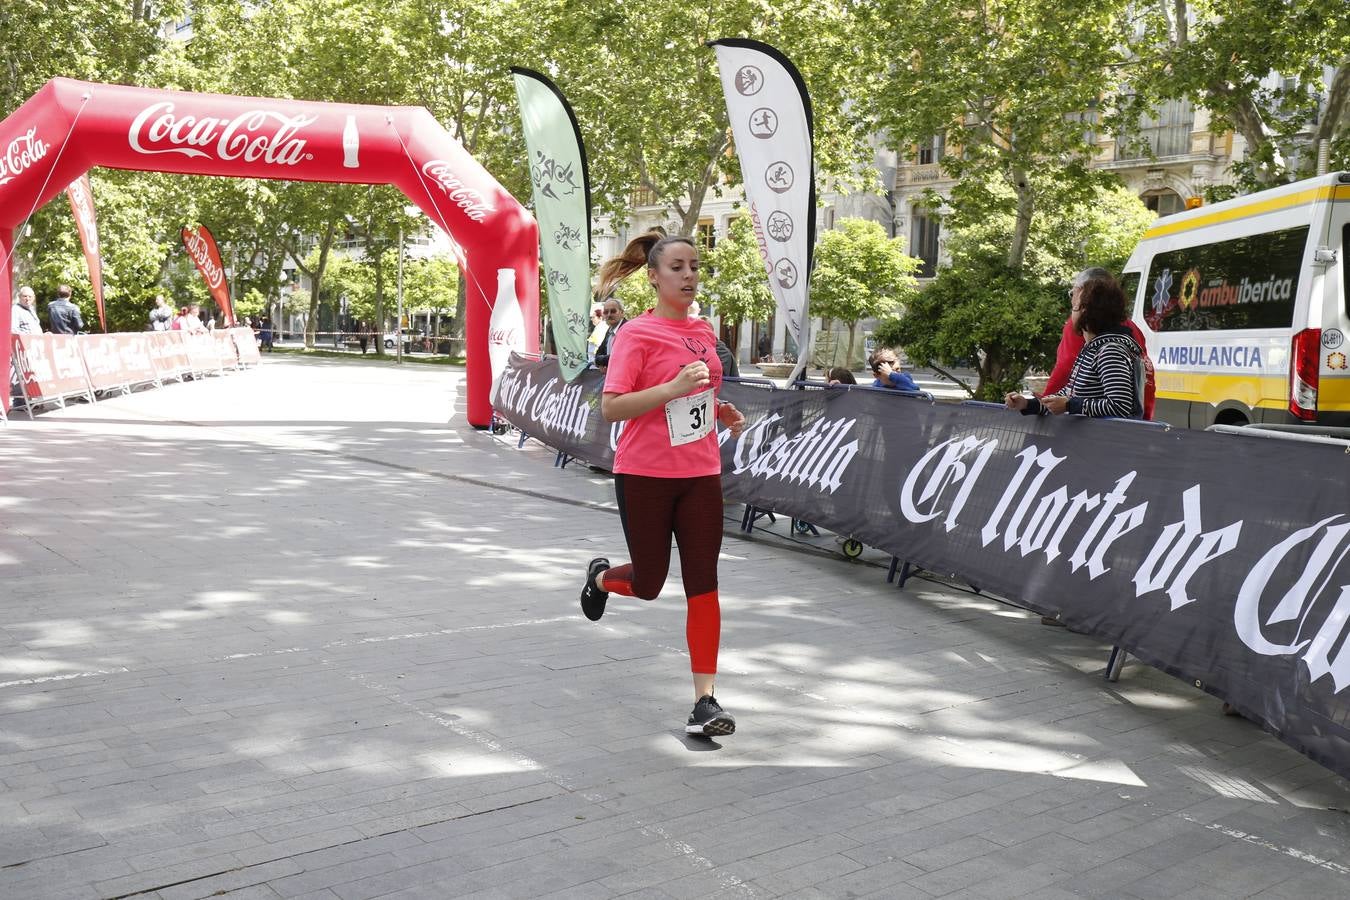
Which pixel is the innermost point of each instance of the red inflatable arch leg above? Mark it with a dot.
(7, 306)
(70, 126)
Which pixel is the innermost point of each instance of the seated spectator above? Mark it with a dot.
(840, 375)
(1071, 342)
(886, 368)
(191, 320)
(1107, 378)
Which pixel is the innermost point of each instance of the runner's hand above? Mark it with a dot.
(731, 417)
(693, 377)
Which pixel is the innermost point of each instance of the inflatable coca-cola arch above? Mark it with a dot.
(70, 126)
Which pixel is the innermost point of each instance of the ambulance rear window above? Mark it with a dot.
(1248, 282)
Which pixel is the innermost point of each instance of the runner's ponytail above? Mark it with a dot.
(633, 257)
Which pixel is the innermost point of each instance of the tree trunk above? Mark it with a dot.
(316, 282)
(1336, 119)
(699, 190)
(461, 293)
(379, 305)
(852, 337)
(1026, 206)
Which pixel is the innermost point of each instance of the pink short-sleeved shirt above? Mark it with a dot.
(647, 351)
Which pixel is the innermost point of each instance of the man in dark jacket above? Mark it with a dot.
(63, 317)
(613, 313)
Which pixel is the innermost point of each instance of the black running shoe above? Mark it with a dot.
(708, 718)
(592, 598)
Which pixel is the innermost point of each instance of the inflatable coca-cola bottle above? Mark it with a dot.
(506, 327)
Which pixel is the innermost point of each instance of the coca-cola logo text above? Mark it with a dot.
(470, 201)
(21, 153)
(201, 254)
(505, 337)
(260, 135)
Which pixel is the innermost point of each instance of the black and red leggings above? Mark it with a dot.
(689, 509)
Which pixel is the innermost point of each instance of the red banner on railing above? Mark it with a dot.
(81, 196)
(49, 365)
(201, 246)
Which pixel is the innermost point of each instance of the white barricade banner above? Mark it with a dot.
(202, 351)
(102, 360)
(49, 365)
(134, 351)
(246, 346)
(168, 351)
(226, 349)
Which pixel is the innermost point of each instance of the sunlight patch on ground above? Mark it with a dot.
(1226, 785)
(220, 599)
(286, 617)
(62, 633)
(1009, 756)
(13, 665)
(474, 765)
(366, 562)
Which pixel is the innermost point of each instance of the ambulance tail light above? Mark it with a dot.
(1305, 356)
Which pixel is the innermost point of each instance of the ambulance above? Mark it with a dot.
(1243, 305)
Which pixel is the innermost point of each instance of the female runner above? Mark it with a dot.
(662, 380)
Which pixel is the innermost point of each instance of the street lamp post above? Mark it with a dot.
(398, 326)
(409, 210)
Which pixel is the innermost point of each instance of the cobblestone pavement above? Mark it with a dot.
(300, 632)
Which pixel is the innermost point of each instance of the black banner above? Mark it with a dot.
(1218, 558)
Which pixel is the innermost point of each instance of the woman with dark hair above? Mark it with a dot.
(1070, 342)
(662, 380)
(1107, 378)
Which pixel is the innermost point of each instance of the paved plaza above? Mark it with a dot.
(301, 632)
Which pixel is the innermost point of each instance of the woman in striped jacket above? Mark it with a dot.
(1108, 376)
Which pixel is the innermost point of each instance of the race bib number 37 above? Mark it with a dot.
(690, 418)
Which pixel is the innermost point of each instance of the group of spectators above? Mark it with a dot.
(187, 318)
(63, 316)
(1102, 367)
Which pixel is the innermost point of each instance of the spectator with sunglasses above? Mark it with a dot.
(886, 369)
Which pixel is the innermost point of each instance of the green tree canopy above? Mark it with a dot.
(860, 273)
(649, 100)
(979, 311)
(1012, 84)
(1225, 56)
(733, 279)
